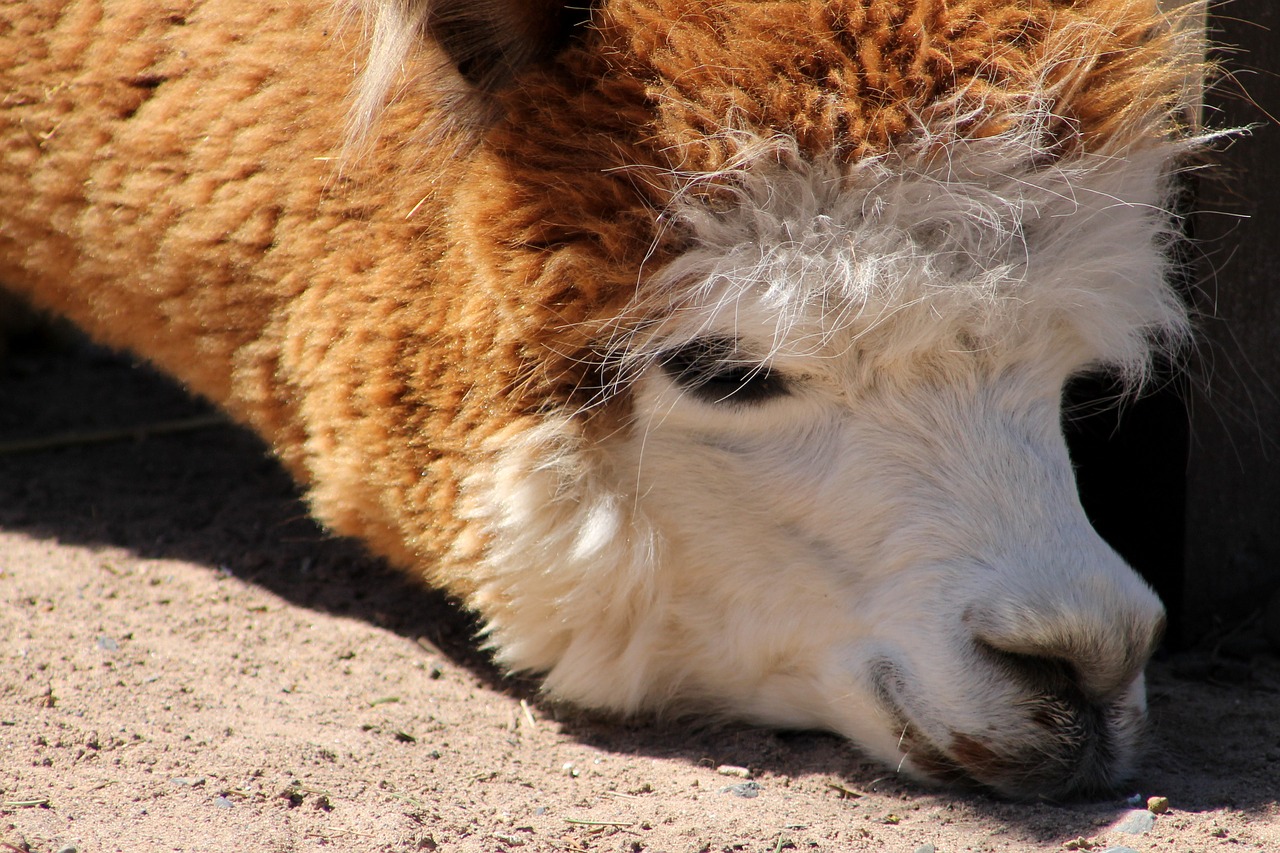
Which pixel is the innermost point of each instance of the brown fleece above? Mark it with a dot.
(170, 183)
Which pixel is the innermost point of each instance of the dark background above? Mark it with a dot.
(1186, 481)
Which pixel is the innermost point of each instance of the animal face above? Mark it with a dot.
(841, 497)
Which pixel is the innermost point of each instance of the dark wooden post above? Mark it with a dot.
(1232, 545)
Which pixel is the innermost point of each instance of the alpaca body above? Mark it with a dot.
(711, 351)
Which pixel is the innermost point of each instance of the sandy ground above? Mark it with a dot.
(188, 664)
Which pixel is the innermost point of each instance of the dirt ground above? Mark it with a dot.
(187, 663)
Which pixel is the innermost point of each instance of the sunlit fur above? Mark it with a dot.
(447, 290)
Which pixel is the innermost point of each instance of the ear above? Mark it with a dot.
(487, 42)
(490, 41)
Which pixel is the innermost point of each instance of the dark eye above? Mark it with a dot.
(712, 370)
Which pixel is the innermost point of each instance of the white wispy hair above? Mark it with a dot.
(949, 236)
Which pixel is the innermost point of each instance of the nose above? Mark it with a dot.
(1077, 672)
(1055, 702)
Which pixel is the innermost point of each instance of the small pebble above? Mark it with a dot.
(732, 770)
(1119, 850)
(746, 790)
(926, 848)
(223, 803)
(108, 644)
(1136, 822)
(70, 848)
(1157, 805)
(188, 781)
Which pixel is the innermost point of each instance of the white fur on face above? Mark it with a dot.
(887, 541)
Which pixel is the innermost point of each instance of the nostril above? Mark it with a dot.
(1098, 656)
(1039, 674)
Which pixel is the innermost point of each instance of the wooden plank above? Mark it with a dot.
(1232, 545)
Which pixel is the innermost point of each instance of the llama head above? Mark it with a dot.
(789, 444)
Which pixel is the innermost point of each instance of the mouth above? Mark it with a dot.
(1048, 744)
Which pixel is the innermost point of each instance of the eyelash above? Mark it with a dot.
(711, 370)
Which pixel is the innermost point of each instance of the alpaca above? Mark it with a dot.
(710, 350)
